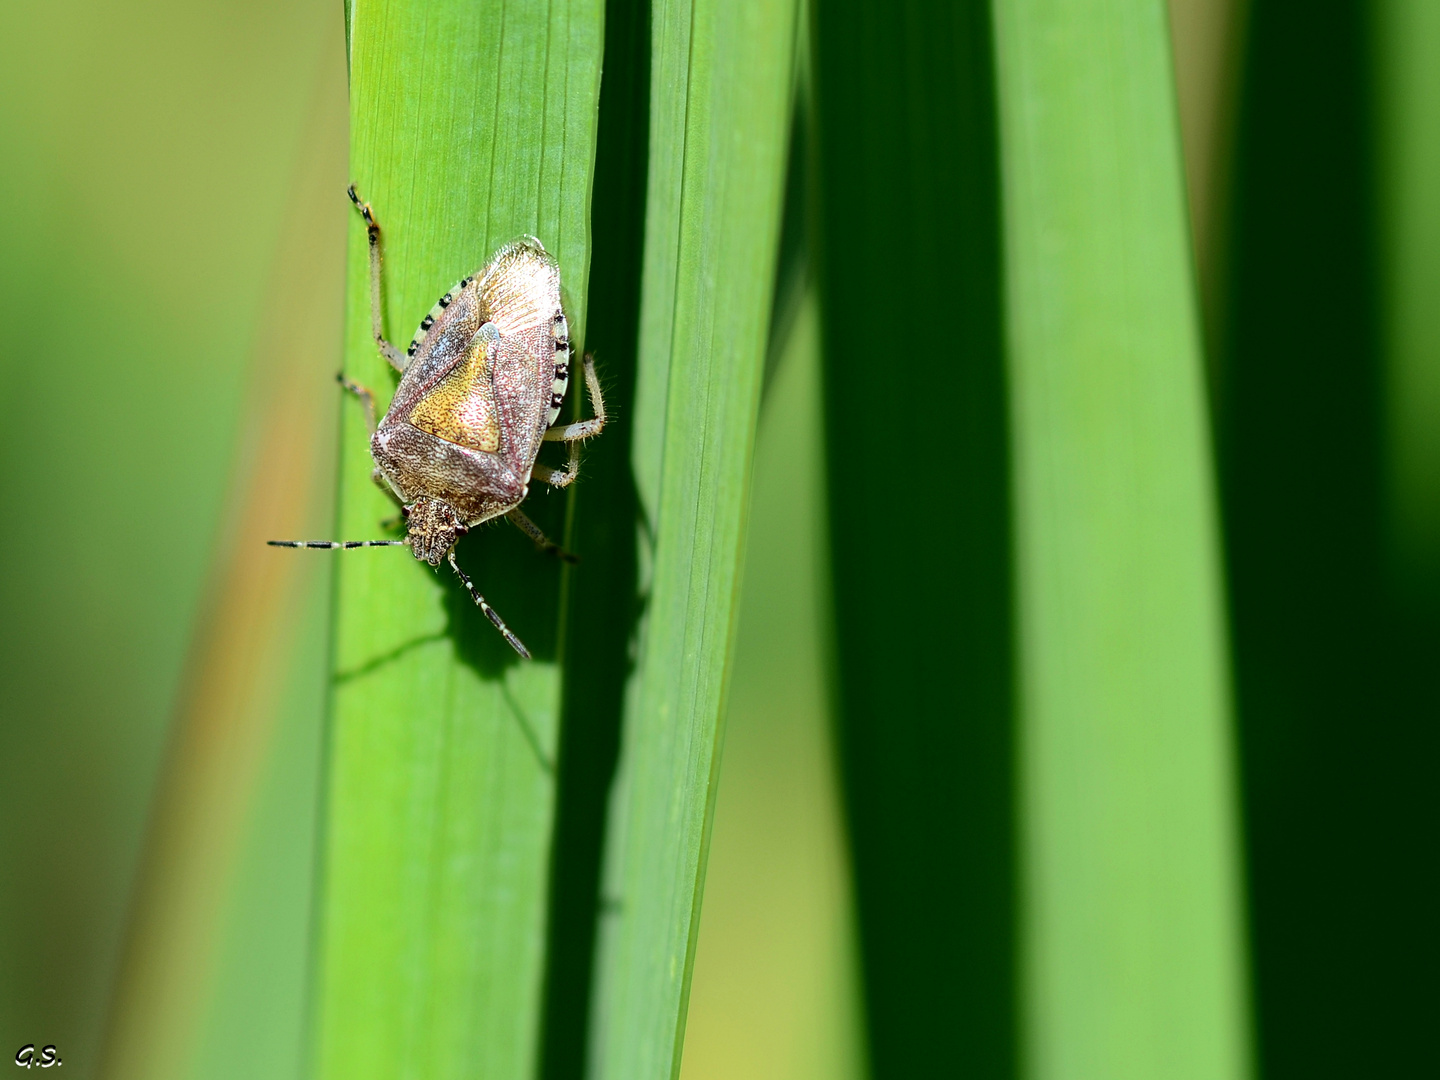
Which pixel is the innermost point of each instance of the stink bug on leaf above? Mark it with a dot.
(480, 389)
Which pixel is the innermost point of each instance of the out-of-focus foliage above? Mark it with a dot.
(1132, 948)
(154, 155)
(1326, 421)
(1045, 610)
(219, 915)
(983, 543)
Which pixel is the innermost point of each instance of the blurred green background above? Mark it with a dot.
(170, 315)
(158, 158)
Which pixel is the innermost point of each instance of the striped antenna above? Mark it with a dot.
(336, 545)
(490, 614)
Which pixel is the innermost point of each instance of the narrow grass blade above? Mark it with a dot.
(470, 124)
(776, 992)
(918, 460)
(603, 604)
(1131, 935)
(1407, 92)
(719, 106)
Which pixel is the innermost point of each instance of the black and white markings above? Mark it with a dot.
(337, 545)
(435, 312)
(561, 382)
(490, 613)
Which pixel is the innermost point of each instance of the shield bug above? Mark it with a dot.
(481, 385)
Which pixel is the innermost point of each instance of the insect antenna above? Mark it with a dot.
(490, 614)
(336, 545)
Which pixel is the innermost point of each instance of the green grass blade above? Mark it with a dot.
(776, 990)
(1131, 933)
(720, 102)
(919, 521)
(470, 124)
(603, 604)
(1407, 40)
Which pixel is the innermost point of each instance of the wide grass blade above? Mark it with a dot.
(470, 124)
(1132, 957)
(719, 106)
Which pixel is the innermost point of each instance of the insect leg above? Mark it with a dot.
(585, 428)
(398, 360)
(543, 542)
(559, 477)
(367, 399)
(490, 614)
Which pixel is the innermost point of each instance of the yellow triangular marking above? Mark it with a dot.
(460, 408)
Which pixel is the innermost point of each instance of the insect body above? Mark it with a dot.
(481, 387)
